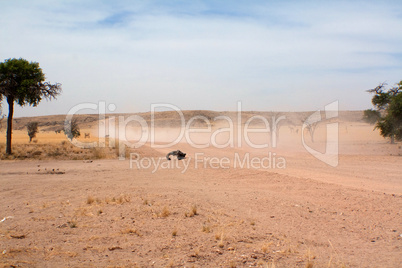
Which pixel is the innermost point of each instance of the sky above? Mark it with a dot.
(206, 55)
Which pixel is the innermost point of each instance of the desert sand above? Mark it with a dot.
(99, 211)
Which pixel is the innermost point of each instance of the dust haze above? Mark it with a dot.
(236, 200)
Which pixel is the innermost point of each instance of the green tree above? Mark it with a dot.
(32, 130)
(23, 82)
(371, 116)
(388, 104)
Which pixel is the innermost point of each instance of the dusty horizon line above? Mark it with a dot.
(184, 111)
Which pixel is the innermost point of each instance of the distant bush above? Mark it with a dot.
(32, 130)
(371, 116)
(71, 129)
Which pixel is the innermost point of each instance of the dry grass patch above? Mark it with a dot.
(83, 211)
(164, 213)
(72, 224)
(232, 264)
(131, 231)
(90, 200)
(193, 211)
(219, 236)
(174, 232)
(206, 228)
(118, 200)
(265, 247)
(59, 151)
(220, 243)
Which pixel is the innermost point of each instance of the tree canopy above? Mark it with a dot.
(388, 105)
(23, 82)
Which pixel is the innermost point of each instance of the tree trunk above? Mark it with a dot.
(10, 102)
(392, 139)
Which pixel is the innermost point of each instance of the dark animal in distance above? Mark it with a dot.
(180, 155)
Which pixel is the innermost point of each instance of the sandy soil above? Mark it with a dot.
(104, 213)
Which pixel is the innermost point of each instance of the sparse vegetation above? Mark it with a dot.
(193, 211)
(55, 151)
(174, 232)
(220, 243)
(165, 212)
(310, 258)
(71, 129)
(218, 236)
(72, 224)
(266, 246)
(232, 264)
(32, 128)
(131, 231)
(148, 223)
(121, 199)
(206, 228)
(90, 200)
(98, 153)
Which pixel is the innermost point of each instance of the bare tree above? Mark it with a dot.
(311, 123)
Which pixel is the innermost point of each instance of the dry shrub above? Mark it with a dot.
(165, 212)
(118, 200)
(232, 264)
(218, 236)
(131, 231)
(206, 228)
(90, 200)
(72, 224)
(174, 233)
(193, 211)
(61, 151)
(265, 247)
(123, 199)
(221, 244)
(98, 153)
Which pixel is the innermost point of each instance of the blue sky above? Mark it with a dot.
(270, 55)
